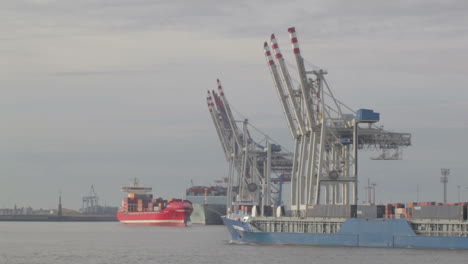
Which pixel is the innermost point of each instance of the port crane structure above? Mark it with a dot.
(90, 202)
(252, 162)
(326, 132)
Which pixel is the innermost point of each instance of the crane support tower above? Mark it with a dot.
(327, 133)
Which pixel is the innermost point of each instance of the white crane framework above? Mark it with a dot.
(251, 163)
(90, 202)
(325, 155)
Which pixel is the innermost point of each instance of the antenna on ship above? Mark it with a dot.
(135, 181)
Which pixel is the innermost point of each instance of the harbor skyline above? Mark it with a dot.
(102, 92)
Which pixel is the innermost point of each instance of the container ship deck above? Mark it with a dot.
(417, 225)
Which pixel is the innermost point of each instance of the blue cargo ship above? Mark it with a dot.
(377, 232)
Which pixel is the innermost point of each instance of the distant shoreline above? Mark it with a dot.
(56, 218)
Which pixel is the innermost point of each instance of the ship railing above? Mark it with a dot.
(442, 233)
(441, 228)
(298, 225)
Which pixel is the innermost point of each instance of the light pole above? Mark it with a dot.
(373, 192)
(369, 192)
(444, 180)
(466, 189)
(417, 193)
(355, 152)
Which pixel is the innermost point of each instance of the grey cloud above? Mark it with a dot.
(91, 73)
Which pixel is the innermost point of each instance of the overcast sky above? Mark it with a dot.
(99, 92)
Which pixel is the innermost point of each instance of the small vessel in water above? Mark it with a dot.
(140, 208)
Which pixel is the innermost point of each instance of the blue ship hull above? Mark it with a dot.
(392, 233)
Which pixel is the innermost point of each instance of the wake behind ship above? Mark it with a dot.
(140, 208)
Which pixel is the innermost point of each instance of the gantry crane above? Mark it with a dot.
(90, 202)
(326, 132)
(251, 161)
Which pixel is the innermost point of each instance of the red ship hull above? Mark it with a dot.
(176, 213)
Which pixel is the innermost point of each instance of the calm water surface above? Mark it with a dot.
(115, 243)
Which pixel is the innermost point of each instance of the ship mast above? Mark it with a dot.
(136, 188)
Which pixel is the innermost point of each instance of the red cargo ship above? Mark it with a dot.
(140, 208)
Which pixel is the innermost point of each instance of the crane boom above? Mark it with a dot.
(224, 123)
(287, 81)
(230, 117)
(305, 86)
(215, 118)
(281, 93)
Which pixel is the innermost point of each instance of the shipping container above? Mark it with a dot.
(331, 211)
(400, 216)
(400, 210)
(427, 203)
(370, 211)
(439, 212)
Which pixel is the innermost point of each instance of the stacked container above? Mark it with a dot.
(332, 211)
(140, 205)
(400, 213)
(440, 212)
(389, 211)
